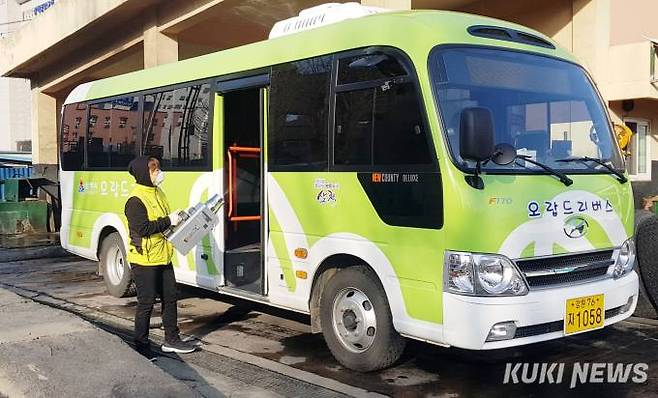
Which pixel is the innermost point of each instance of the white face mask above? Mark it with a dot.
(159, 179)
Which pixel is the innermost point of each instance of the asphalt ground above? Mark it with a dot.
(234, 332)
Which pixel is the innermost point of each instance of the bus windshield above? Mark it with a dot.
(546, 108)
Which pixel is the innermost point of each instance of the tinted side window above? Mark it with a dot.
(354, 127)
(73, 136)
(400, 136)
(112, 140)
(176, 127)
(380, 126)
(299, 103)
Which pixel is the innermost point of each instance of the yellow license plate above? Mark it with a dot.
(584, 313)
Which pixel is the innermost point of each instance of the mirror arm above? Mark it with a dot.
(474, 180)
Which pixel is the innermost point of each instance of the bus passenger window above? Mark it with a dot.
(400, 136)
(380, 126)
(73, 137)
(111, 144)
(354, 124)
(299, 105)
(175, 127)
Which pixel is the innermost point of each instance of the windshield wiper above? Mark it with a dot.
(620, 177)
(563, 178)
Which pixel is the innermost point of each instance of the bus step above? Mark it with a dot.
(232, 291)
(253, 248)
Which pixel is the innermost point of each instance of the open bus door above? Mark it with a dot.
(244, 129)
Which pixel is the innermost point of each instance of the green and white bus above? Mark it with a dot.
(429, 175)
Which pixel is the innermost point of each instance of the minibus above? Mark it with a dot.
(425, 175)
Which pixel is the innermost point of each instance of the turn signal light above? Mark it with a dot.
(300, 252)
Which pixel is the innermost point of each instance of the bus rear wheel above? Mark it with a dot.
(356, 321)
(116, 270)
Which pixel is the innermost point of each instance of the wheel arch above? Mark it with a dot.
(106, 224)
(325, 270)
(365, 252)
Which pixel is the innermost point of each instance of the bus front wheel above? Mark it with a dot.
(356, 321)
(116, 270)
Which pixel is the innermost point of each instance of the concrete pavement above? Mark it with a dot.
(46, 352)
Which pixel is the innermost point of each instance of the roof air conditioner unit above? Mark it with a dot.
(322, 15)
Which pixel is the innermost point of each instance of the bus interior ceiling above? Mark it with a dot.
(242, 143)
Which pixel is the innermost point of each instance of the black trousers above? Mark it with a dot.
(152, 281)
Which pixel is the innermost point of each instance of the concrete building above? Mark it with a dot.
(80, 40)
(15, 102)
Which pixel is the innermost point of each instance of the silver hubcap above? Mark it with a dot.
(354, 319)
(115, 265)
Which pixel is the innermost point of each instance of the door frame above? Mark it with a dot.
(259, 81)
(646, 176)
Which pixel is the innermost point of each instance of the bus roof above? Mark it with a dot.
(415, 32)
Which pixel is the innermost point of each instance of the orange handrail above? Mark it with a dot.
(245, 218)
(232, 172)
(230, 183)
(247, 149)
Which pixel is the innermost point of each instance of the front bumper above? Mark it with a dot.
(538, 315)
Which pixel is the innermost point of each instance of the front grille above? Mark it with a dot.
(567, 278)
(543, 263)
(555, 326)
(569, 269)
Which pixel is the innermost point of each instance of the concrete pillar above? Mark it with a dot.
(392, 4)
(44, 133)
(591, 36)
(159, 48)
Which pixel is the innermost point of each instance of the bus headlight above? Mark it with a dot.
(625, 259)
(483, 275)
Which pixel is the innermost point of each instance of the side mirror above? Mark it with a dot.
(476, 134)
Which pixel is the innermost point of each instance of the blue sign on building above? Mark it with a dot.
(41, 8)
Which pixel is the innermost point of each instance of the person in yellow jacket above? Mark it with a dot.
(150, 254)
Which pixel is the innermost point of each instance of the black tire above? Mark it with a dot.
(646, 241)
(125, 286)
(387, 346)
